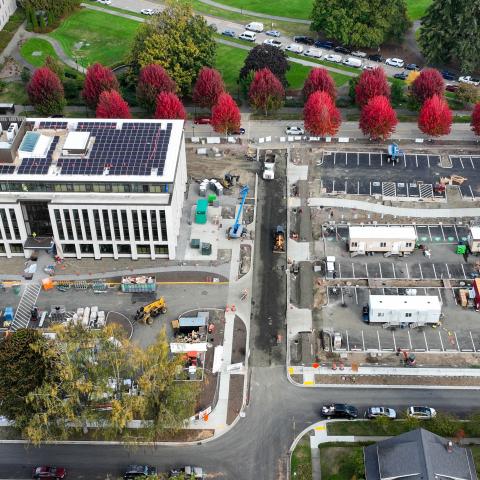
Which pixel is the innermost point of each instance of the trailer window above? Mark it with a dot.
(383, 244)
(380, 314)
(354, 244)
(408, 315)
(408, 244)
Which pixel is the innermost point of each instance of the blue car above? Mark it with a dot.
(272, 33)
(448, 75)
(228, 33)
(324, 44)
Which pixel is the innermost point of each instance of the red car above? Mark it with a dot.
(49, 473)
(451, 88)
(202, 121)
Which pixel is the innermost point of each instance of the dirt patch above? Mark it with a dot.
(319, 296)
(239, 341)
(235, 397)
(228, 212)
(245, 260)
(207, 396)
(11, 69)
(122, 321)
(395, 380)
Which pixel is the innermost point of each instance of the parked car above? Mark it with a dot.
(304, 39)
(254, 27)
(105, 2)
(229, 33)
(333, 58)
(447, 75)
(294, 48)
(352, 62)
(248, 36)
(412, 66)
(374, 412)
(339, 410)
(359, 54)
(313, 52)
(376, 57)
(273, 42)
(395, 62)
(401, 75)
(422, 413)
(342, 49)
(272, 33)
(239, 131)
(135, 471)
(369, 67)
(202, 121)
(48, 472)
(324, 44)
(469, 80)
(294, 130)
(147, 11)
(451, 88)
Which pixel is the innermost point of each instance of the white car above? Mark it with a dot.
(333, 58)
(470, 80)
(422, 413)
(294, 130)
(359, 54)
(147, 11)
(395, 62)
(294, 48)
(368, 67)
(273, 42)
(105, 2)
(272, 33)
(313, 52)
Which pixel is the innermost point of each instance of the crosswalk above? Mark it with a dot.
(28, 300)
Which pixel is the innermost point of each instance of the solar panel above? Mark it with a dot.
(33, 166)
(6, 169)
(53, 125)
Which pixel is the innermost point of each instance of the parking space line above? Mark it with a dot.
(461, 162)
(363, 341)
(348, 343)
(356, 296)
(463, 270)
(456, 232)
(409, 339)
(340, 270)
(473, 343)
(366, 269)
(343, 300)
(421, 273)
(416, 160)
(429, 233)
(428, 160)
(394, 342)
(448, 271)
(381, 160)
(426, 343)
(408, 274)
(440, 295)
(393, 267)
(434, 271)
(443, 233)
(370, 188)
(456, 340)
(454, 296)
(334, 158)
(441, 341)
(380, 267)
(369, 160)
(471, 191)
(424, 291)
(353, 270)
(471, 161)
(378, 337)
(358, 187)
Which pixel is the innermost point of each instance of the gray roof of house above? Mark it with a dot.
(418, 455)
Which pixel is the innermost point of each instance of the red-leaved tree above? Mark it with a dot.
(378, 119)
(266, 91)
(372, 83)
(112, 105)
(321, 116)
(319, 80)
(45, 91)
(169, 107)
(152, 80)
(435, 117)
(98, 79)
(208, 87)
(476, 119)
(226, 115)
(427, 84)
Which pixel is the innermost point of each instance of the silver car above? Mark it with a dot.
(422, 413)
(294, 130)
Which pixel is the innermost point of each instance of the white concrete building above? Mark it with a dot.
(7, 8)
(398, 309)
(396, 240)
(92, 188)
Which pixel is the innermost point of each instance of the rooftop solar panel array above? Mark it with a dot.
(53, 125)
(6, 169)
(34, 166)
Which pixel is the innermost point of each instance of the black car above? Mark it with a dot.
(303, 39)
(324, 44)
(134, 471)
(448, 75)
(401, 76)
(376, 58)
(412, 66)
(339, 410)
(341, 49)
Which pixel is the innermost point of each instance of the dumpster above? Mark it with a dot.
(136, 284)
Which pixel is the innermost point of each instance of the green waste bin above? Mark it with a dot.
(461, 249)
(212, 197)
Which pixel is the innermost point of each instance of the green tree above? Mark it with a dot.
(42, 23)
(361, 23)
(467, 93)
(58, 8)
(55, 66)
(444, 424)
(384, 423)
(181, 42)
(451, 31)
(352, 85)
(397, 95)
(24, 368)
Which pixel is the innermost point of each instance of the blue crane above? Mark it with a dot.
(237, 229)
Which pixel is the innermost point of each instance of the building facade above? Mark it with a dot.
(7, 9)
(92, 188)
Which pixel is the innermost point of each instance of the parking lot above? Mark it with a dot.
(459, 332)
(357, 173)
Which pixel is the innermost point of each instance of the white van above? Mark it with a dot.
(352, 62)
(313, 52)
(248, 36)
(254, 27)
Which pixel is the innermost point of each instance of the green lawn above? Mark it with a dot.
(301, 465)
(14, 92)
(96, 37)
(35, 50)
(476, 457)
(416, 8)
(341, 463)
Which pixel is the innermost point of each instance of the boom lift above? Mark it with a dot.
(238, 230)
(146, 313)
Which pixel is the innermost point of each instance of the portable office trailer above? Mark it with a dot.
(404, 309)
(390, 240)
(474, 239)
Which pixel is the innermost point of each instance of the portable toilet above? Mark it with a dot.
(8, 314)
(201, 212)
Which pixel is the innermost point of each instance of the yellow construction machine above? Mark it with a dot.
(148, 312)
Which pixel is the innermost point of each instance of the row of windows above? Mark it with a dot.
(14, 248)
(111, 225)
(86, 187)
(382, 314)
(382, 244)
(10, 233)
(123, 249)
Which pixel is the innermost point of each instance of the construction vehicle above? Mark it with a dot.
(269, 165)
(279, 239)
(229, 180)
(238, 230)
(394, 154)
(146, 313)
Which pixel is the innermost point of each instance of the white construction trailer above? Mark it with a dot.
(394, 310)
(474, 239)
(391, 240)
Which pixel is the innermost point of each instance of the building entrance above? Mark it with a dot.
(37, 219)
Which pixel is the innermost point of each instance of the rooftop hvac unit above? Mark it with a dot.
(11, 133)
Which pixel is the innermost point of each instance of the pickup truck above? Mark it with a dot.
(269, 165)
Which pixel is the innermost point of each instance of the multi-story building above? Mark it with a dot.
(91, 188)
(7, 8)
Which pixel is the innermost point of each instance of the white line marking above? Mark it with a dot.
(339, 270)
(394, 342)
(440, 295)
(456, 233)
(454, 296)
(408, 274)
(434, 271)
(463, 270)
(416, 160)
(366, 269)
(380, 266)
(353, 270)
(348, 343)
(429, 233)
(448, 271)
(461, 162)
(409, 339)
(443, 233)
(341, 291)
(421, 273)
(473, 343)
(471, 161)
(378, 337)
(369, 161)
(428, 160)
(356, 295)
(471, 191)
(425, 337)
(393, 267)
(363, 341)
(441, 341)
(456, 340)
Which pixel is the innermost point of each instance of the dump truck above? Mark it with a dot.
(279, 239)
(269, 165)
(146, 313)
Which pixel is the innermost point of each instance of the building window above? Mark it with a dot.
(68, 223)
(153, 221)
(98, 226)
(116, 224)
(2, 248)
(380, 314)
(126, 233)
(78, 225)
(86, 224)
(146, 236)
(16, 247)
(143, 249)
(163, 225)
(161, 249)
(16, 231)
(408, 315)
(69, 248)
(124, 249)
(106, 249)
(106, 223)
(136, 224)
(86, 248)
(383, 244)
(354, 244)
(58, 222)
(408, 244)
(3, 218)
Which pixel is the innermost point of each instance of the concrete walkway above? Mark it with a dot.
(242, 11)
